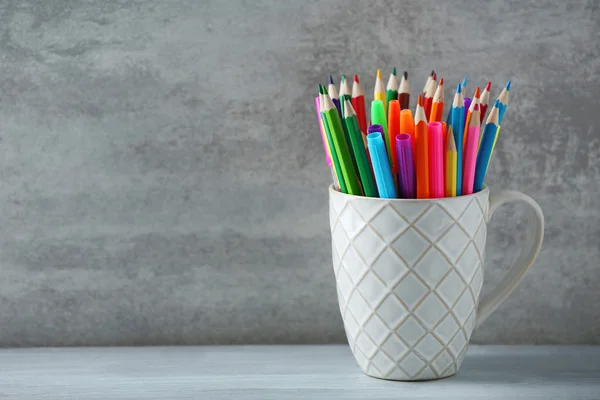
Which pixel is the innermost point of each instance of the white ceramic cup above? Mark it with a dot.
(409, 274)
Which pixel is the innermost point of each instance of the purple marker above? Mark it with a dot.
(406, 166)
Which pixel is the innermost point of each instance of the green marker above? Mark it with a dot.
(378, 118)
(358, 148)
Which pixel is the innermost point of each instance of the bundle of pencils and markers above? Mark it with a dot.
(401, 155)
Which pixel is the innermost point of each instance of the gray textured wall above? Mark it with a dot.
(163, 178)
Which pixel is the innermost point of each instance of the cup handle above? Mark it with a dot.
(534, 235)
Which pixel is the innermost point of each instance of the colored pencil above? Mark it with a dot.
(471, 152)
(467, 102)
(333, 94)
(504, 98)
(406, 166)
(379, 92)
(391, 92)
(381, 166)
(407, 125)
(422, 167)
(358, 148)
(435, 141)
(472, 104)
(428, 81)
(464, 85)
(358, 102)
(458, 129)
(345, 93)
(484, 100)
(437, 107)
(318, 101)
(404, 92)
(450, 181)
(393, 131)
(486, 147)
(428, 97)
(341, 146)
(334, 158)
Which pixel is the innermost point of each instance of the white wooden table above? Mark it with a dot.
(287, 372)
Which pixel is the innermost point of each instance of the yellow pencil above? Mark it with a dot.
(379, 93)
(451, 160)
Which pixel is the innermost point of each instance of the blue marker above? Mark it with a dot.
(381, 165)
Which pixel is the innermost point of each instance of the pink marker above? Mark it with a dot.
(323, 138)
(470, 156)
(436, 159)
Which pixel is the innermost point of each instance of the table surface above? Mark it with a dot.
(287, 372)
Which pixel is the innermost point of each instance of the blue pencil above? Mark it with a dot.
(458, 127)
(486, 147)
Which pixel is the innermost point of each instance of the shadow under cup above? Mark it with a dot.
(409, 274)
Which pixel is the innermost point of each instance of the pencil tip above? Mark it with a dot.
(432, 72)
(356, 78)
(477, 92)
(464, 82)
(405, 75)
(508, 86)
(488, 86)
(331, 79)
(434, 76)
(476, 107)
(343, 77)
(320, 89)
(497, 103)
(325, 90)
(441, 81)
(394, 71)
(459, 88)
(420, 100)
(379, 73)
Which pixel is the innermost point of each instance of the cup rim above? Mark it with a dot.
(397, 200)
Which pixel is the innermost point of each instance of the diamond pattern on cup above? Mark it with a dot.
(432, 267)
(412, 364)
(431, 311)
(389, 267)
(394, 347)
(451, 288)
(479, 238)
(376, 329)
(452, 206)
(464, 307)
(354, 265)
(411, 210)
(351, 221)
(365, 344)
(368, 208)
(446, 329)
(434, 222)
(391, 311)
(468, 263)
(453, 243)
(398, 374)
(410, 290)
(426, 374)
(368, 244)
(411, 331)
(442, 362)
(458, 344)
(361, 358)
(352, 327)
(471, 218)
(477, 282)
(383, 363)
(359, 308)
(411, 245)
(336, 260)
(372, 289)
(470, 324)
(344, 284)
(340, 239)
(338, 203)
(428, 347)
(388, 223)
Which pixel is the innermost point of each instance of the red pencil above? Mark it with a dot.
(428, 98)
(484, 101)
(404, 92)
(358, 103)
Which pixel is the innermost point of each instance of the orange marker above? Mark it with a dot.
(422, 156)
(393, 131)
(438, 104)
(407, 125)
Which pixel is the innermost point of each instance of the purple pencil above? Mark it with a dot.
(468, 101)
(406, 166)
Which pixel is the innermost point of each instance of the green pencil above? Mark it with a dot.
(341, 146)
(334, 157)
(358, 147)
(391, 90)
(345, 93)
